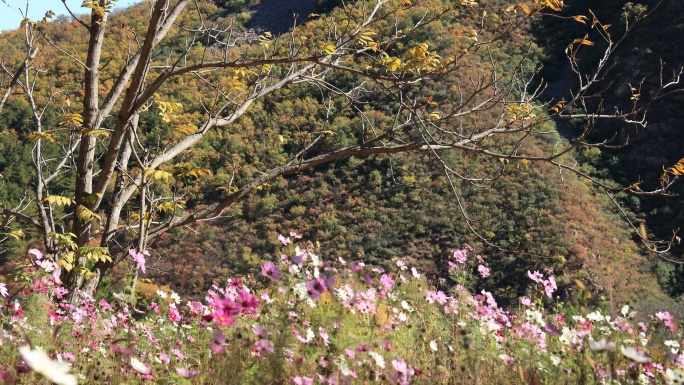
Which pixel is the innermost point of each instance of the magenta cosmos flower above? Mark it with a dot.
(247, 301)
(271, 271)
(319, 285)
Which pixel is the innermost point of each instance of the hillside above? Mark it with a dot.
(371, 208)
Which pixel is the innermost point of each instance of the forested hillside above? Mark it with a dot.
(522, 215)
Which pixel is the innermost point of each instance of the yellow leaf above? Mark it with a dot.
(57, 200)
(16, 234)
(185, 129)
(66, 260)
(90, 199)
(433, 117)
(36, 136)
(373, 46)
(281, 138)
(73, 119)
(580, 19)
(155, 175)
(556, 5)
(329, 49)
(84, 214)
(558, 106)
(98, 133)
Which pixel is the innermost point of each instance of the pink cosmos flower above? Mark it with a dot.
(36, 253)
(461, 256)
(357, 266)
(174, 314)
(262, 346)
(118, 349)
(283, 240)
(667, 319)
(195, 307)
(138, 258)
(387, 282)
(536, 276)
(271, 271)
(437, 296)
(154, 306)
(260, 331)
(178, 354)
(484, 271)
(303, 380)
(295, 235)
(187, 373)
(550, 286)
(217, 343)
(61, 291)
(404, 372)
(324, 336)
(526, 302)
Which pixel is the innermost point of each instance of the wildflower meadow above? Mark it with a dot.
(308, 319)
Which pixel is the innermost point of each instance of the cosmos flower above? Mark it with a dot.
(536, 276)
(461, 256)
(283, 240)
(303, 380)
(174, 314)
(57, 372)
(3, 290)
(138, 258)
(187, 373)
(600, 345)
(247, 301)
(270, 270)
(484, 271)
(139, 366)
(120, 350)
(635, 354)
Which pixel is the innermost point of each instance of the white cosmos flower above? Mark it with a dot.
(634, 354)
(674, 376)
(673, 344)
(379, 360)
(625, 310)
(54, 371)
(595, 316)
(139, 366)
(598, 346)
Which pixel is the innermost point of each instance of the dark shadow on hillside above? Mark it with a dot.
(278, 16)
